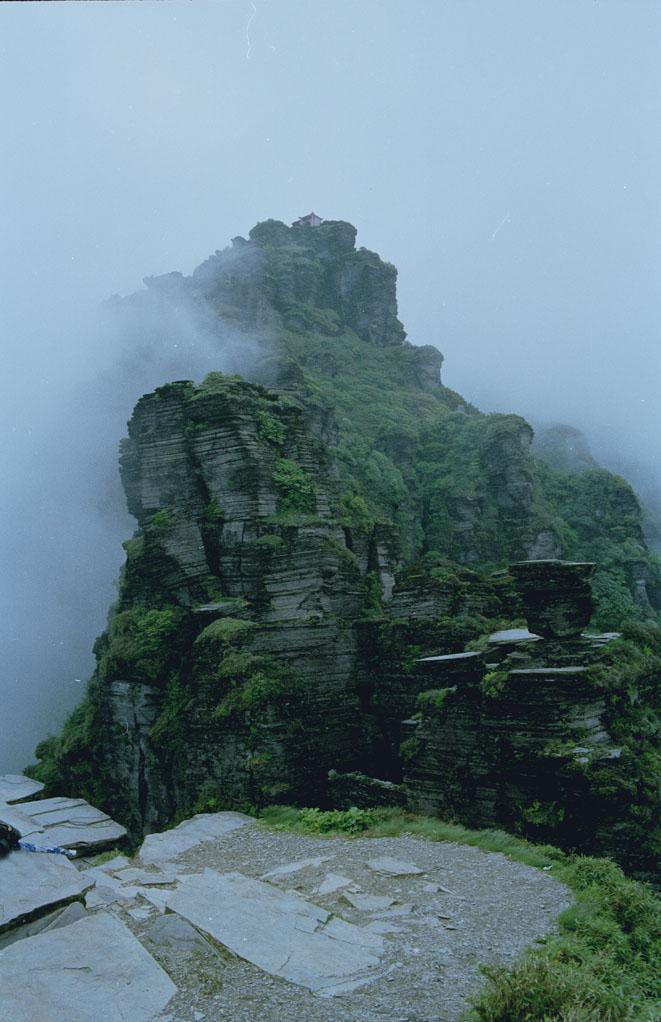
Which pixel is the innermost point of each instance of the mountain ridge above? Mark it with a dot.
(304, 538)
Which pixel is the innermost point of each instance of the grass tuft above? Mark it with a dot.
(395, 822)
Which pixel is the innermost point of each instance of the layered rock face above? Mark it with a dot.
(556, 596)
(228, 662)
(517, 735)
(259, 635)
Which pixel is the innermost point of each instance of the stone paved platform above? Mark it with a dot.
(281, 933)
(204, 923)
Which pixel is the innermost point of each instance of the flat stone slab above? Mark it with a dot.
(154, 897)
(293, 867)
(74, 911)
(102, 897)
(114, 865)
(393, 867)
(449, 657)
(512, 635)
(203, 827)
(144, 877)
(15, 818)
(30, 882)
(17, 788)
(368, 902)
(66, 823)
(91, 971)
(174, 932)
(280, 933)
(333, 882)
(545, 672)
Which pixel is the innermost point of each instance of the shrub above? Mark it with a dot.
(432, 701)
(225, 630)
(549, 989)
(605, 965)
(169, 732)
(142, 644)
(297, 490)
(349, 821)
(324, 821)
(493, 684)
(269, 429)
(213, 515)
(161, 525)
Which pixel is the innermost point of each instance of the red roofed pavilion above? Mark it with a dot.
(312, 219)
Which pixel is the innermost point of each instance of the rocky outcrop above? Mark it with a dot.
(301, 551)
(556, 596)
(292, 271)
(519, 735)
(229, 664)
(503, 455)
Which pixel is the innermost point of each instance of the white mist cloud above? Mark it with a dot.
(65, 518)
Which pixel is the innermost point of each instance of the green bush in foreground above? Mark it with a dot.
(603, 966)
(550, 989)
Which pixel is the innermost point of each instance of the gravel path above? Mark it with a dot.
(466, 908)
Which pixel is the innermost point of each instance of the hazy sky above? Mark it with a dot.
(506, 156)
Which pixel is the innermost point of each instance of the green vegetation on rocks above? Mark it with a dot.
(628, 672)
(296, 487)
(168, 734)
(270, 429)
(226, 630)
(303, 541)
(142, 644)
(253, 682)
(433, 700)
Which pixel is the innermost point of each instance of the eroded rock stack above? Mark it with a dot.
(248, 586)
(515, 735)
(556, 596)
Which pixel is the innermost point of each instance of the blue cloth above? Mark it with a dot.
(29, 847)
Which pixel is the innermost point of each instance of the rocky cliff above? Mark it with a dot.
(542, 731)
(304, 539)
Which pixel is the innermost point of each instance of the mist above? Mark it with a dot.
(505, 157)
(66, 518)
